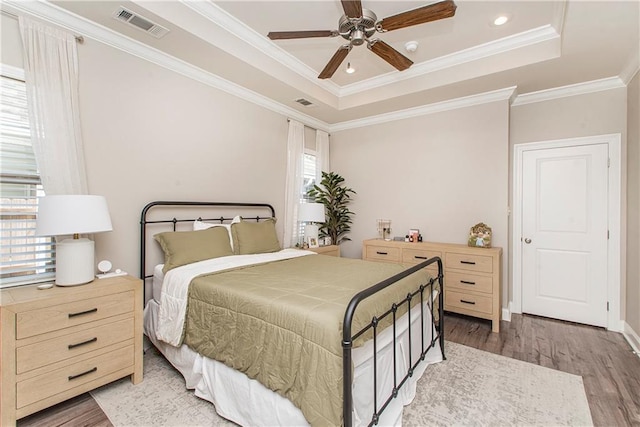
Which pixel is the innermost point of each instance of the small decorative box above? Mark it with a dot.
(480, 236)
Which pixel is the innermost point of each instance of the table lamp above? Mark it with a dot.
(310, 213)
(73, 215)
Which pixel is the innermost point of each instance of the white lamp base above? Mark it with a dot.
(311, 235)
(74, 262)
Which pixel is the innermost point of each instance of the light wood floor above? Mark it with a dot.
(610, 370)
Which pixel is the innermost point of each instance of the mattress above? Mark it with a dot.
(230, 390)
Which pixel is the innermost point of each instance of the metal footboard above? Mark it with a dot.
(426, 344)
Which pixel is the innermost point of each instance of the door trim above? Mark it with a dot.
(614, 319)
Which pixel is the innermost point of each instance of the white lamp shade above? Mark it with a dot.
(311, 212)
(72, 214)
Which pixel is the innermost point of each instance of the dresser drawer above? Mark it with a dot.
(474, 262)
(383, 253)
(61, 316)
(416, 256)
(465, 281)
(42, 386)
(477, 303)
(65, 347)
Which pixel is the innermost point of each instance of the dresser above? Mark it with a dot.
(60, 342)
(472, 276)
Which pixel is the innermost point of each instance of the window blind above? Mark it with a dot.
(24, 258)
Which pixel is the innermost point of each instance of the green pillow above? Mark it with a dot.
(186, 247)
(255, 237)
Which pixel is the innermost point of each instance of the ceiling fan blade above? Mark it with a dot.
(335, 62)
(282, 35)
(432, 12)
(352, 8)
(389, 54)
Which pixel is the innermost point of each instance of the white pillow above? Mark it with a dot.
(201, 225)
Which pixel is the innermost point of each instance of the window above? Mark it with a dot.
(308, 181)
(309, 173)
(24, 258)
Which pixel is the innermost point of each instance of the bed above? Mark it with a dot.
(284, 336)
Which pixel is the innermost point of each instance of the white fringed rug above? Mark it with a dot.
(471, 387)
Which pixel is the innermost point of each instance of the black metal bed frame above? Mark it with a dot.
(348, 337)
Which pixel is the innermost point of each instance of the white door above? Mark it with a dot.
(564, 233)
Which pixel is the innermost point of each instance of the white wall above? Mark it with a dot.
(151, 134)
(441, 173)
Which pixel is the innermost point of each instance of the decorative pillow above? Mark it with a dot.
(186, 247)
(255, 237)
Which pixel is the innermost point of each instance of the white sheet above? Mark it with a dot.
(175, 287)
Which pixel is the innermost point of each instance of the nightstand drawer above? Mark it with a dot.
(468, 302)
(383, 253)
(42, 386)
(65, 347)
(471, 262)
(61, 316)
(416, 256)
(464, 282)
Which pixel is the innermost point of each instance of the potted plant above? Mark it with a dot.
(335, 197)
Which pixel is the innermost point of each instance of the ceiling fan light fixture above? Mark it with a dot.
(411, 46)
(350, 69)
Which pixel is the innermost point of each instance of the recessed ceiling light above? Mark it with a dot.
(350, 69)
(501, 20)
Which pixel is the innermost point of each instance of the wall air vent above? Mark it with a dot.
(305, 102)
(140, 22)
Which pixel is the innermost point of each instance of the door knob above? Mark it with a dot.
(527, 240)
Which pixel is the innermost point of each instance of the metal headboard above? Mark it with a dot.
(171, 218)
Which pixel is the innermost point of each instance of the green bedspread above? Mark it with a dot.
(281, 323)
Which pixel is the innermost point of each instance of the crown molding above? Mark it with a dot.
(476, 53)
(228, 22)
(569, 90)
(423, 110)
(231, 24)
(63, 18)
(632, 68)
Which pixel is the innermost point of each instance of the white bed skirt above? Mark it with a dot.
(247, 402)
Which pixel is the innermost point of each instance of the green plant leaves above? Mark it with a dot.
(335, 197)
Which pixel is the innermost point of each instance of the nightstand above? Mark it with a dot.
(60, 342)
(330, 250)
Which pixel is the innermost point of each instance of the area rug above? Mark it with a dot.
(471, 387)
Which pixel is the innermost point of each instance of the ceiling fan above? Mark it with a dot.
(358, 25)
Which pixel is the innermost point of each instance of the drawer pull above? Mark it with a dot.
(93, 310)
(468, 302)
(420, 257)
(73, 377)
(94, 339)
(468, 262)
(382, 253)
(466, 282)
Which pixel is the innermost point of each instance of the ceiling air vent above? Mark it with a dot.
(140, 22)
(305, 102)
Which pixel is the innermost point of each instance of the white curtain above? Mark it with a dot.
(322, 154)
(51, 78)
(294, 182)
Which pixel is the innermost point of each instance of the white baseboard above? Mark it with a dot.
(632, 338)
(506, 313)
